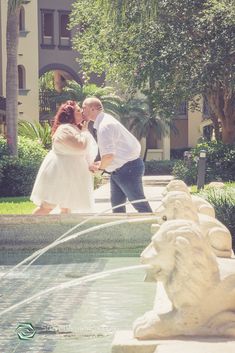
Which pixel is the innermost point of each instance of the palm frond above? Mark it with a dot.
(35, 131)
(14, 4)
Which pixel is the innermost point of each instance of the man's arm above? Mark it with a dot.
(105, 161)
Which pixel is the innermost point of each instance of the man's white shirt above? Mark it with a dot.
(114, 138)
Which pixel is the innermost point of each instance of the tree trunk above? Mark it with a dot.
(216, 124)
(12, 78)
(221, 103)
(228, 131)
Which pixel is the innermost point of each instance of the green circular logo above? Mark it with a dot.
(25, 331)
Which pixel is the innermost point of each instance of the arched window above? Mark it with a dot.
(22, 19)
(21, 77)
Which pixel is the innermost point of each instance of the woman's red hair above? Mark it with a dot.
(65, 115)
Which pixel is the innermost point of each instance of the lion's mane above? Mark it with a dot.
(181, 258)
(195, 267)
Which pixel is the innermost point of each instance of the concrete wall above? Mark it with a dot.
(179, 139)
(28, 58)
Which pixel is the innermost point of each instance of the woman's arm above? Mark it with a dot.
(72, 137)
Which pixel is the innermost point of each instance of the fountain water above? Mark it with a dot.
(40, 252)
(77, 282)
(70, 284)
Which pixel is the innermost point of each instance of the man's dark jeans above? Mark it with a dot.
(126, 183)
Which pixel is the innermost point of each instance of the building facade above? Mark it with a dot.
(28, 63)
(45, 45)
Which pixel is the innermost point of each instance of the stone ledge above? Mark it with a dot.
(124, 342)
(68, 218)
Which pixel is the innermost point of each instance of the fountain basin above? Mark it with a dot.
(28, 232)
(79, 319)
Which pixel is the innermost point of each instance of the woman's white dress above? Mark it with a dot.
(64, 178)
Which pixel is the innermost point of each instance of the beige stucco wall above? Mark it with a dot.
(28, 57)
(0, 49)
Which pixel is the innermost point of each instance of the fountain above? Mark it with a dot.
(83, 319)
(194, 306)
(36, 303)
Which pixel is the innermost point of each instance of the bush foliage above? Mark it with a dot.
(17, 175)
(154, 167)
(223, 201)
(220, 163)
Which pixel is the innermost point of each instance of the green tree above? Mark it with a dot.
(173, 51)
(12, 34)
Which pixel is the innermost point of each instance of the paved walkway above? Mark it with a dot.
(153, 188)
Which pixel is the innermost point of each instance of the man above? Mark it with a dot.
(120, 157)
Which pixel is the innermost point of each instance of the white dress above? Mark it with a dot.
(64, 178)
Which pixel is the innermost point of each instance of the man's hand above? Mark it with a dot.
(105, 161)
(94, 167)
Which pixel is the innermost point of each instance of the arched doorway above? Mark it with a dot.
(53, 79)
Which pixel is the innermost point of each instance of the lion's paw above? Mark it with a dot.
(145, 326)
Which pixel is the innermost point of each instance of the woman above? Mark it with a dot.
(64, 179)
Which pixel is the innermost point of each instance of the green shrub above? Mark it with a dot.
(36, 131)
(185, 171)
(3, 147)
(27, 149)
(223, 201)
(1, 172)
(220, 160)
(220, 163)
(154, 167)
(17, 175)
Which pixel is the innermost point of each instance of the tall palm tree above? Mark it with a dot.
(143, 122)
(12, 34)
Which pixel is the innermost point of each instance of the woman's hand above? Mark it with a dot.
(94, 167)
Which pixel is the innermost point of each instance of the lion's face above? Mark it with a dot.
(178, 253)
(160, 254)
(176, 205)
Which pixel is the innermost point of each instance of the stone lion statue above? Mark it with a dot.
(202, 206)
(179, 205)
(200, 302)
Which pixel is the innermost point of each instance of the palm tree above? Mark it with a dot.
(112, 102)
(12, 34)
(36, 131)
(139, 118)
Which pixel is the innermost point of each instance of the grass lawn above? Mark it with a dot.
(16, 205)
